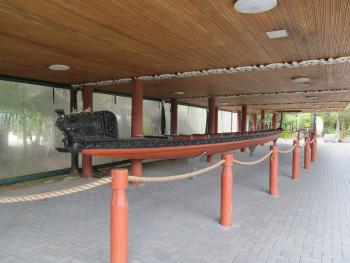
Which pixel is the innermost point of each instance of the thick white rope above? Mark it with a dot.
(103, 181)
(302, 146)
(288, 151)
(47, 195)
(253, 162)
(165, 179)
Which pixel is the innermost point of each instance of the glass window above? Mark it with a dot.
(225, 121)
(121, 107)
(28, 136)
(191, 120)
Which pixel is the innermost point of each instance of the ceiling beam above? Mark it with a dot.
(226, 70)
(268, 94)
(290, 103)
(306, 109)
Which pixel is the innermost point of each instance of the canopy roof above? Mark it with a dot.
(108, 40)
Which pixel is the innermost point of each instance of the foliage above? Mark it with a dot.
(331, 120)
(292, 122)
(288, 134)
(25, 109)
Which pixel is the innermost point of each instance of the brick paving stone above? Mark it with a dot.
(178, 222)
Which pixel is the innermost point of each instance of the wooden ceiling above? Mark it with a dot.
(103, 40)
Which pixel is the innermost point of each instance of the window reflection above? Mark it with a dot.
(28, 136)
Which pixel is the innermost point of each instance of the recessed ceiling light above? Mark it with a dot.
(59, 67)
(277, 34)
(311, 97)
(179, 93)
(301, 79)
(254, 6)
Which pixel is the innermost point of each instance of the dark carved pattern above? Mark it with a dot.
(98, 130)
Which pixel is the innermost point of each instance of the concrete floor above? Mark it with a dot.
(178, 222)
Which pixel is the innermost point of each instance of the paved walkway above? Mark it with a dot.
(178, 222)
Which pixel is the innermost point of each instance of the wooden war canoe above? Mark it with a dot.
(96, 134)
(175, 152)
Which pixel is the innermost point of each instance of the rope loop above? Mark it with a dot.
(166, 179)
(253, 162)
(103, 181)
(302, 146)
(288, 151)
(47, 195)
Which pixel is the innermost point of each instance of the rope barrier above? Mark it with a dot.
(288, 151)
(47, 195)
(253, 162)
(302, 146)
(103, 181)
(165, 179)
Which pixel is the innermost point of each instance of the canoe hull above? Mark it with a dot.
(177, 152)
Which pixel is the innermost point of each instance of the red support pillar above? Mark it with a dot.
(86, 163)
(86, 160)
(274, 171)
(239, 121)
(314, 147)
(281, 121)
(244, 121)
(212, 123)
(254, 122)
(216, 119)
(307, 153)
(226, 190)
(173, 111)
(244, 118)
(295, 169)
(262, 120)
(119, 217)
(274, 120)
(137, 121)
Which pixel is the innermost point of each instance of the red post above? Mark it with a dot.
(212, 123)
(244, 118)
(262, 121)
(212, 110)
(274, 171)
(295, 169)
(254, 122)
(87, 97)
(314, 148)
(216, 119)
(86, 160)
(307, 153)
(137, 109)
(281, 120)
(239, 121)
(274, 120)
(119, 217)
(173, 111)
(226, 190)
(244, 121)
(137, 121)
